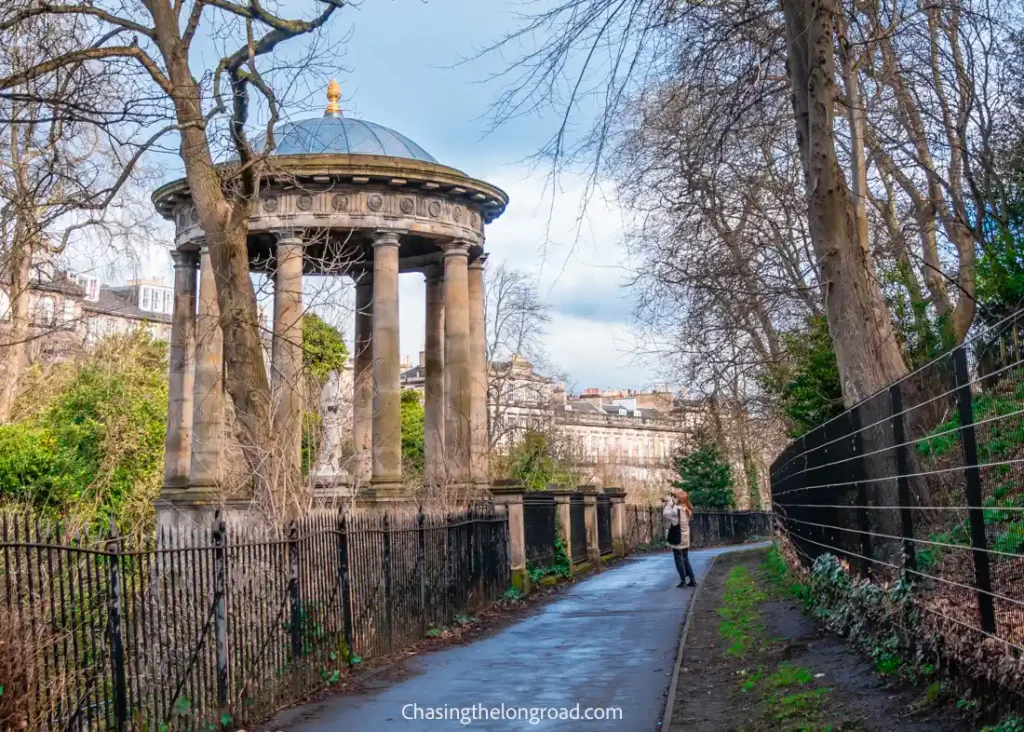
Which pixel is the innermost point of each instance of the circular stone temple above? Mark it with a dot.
(351, 198)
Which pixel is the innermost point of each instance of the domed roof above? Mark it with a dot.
(333, 134)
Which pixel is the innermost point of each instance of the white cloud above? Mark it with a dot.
(581, 269)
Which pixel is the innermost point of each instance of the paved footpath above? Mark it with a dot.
(609, 641)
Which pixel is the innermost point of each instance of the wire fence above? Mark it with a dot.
(923, 480)
(214, 626)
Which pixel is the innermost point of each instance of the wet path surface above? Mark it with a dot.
(609, 641)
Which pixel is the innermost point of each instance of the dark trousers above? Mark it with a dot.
(682, 558)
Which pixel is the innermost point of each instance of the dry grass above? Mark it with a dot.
(19, 649)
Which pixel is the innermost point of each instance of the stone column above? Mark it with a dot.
(181, 379)
(287, 356)
(590, 520)
(208, 407)
(387, 397)
(617, 505)
(479, 469)
(511, 497)
(564, 518)
(433, 402)
(362, 391)
(457, 365)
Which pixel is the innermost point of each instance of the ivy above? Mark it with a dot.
(808, 388)
(561, 565)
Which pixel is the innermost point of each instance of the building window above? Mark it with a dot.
(68, 318)
(45, 311)
(168, 302)
(144, 298)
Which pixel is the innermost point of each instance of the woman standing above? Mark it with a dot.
(677, 513)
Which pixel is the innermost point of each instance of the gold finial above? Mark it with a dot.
(333, 95)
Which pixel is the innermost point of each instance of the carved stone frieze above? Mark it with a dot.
(426, 212)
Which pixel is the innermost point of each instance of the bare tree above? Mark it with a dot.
(56, 184)
(838, 68)
(151, 49)
(519, 379)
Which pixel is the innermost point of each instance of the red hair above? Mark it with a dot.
(684, 500)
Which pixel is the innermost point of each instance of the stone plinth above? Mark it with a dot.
(617, 504)
(590, 520)
(564, 517)
(511, 497)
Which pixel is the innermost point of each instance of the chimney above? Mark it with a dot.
(423, 359)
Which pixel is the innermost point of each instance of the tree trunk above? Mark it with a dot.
(16, 351)
(868, 355)
(225, 223)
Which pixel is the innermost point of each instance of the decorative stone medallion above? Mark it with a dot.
(193, 216)
(457, 213)
(305, 202)
(375, 202)
(269, 204)
(407, 205)
(434, 209)
(340, 202)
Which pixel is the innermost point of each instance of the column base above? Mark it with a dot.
(381, 491)
(174, 484)
(521, 580)
(618, 548)
(196, 505)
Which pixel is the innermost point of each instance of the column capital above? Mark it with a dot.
(434, 273)
(456, 248)
(386, 238)
(185, 258)
(479, 262)
(287, 236)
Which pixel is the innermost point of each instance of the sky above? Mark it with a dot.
(404, 66)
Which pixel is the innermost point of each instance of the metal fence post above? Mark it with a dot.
(388, 601)
(899, 439)
(472, 546)
(220, 617)
(293, 591)
(421, 560)
(446, 567)
(346, 585)
(972, 490)
(114, 608)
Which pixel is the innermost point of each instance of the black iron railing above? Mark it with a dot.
(604, 524)
(540, 522)
(578, 534)
(192, 629)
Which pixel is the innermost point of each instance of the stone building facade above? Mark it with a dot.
(69, 312)
(622, 438)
